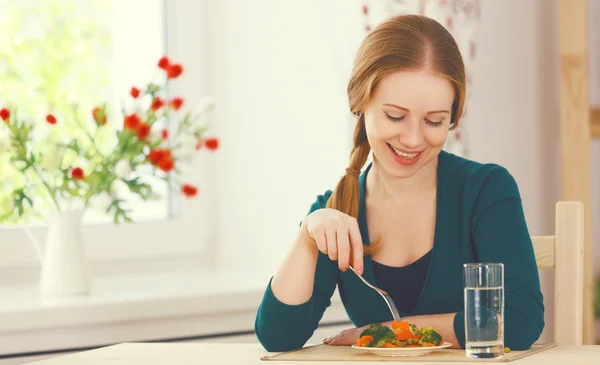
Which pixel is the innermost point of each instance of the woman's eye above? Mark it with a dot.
(434, 123)
(393, 118)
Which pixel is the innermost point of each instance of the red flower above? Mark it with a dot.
(449, 22)
(165, 134)
(211, 143)
(99, 116)
(155, 156)
(135, 92)
(143, 131)
(189, 190)
(166, 164)
(157, 104)
(162, 159)
(176, 103)
(365, 9)
(368, 28)
(50, 119)
(163, 62)
(77, 174)
(198, 144)
(173, 71)
(5, 114)
(132, 122)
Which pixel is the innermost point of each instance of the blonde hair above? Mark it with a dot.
(406, 42)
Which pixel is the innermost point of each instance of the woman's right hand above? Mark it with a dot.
(337, 235)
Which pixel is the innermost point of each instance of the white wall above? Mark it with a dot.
(283, 115)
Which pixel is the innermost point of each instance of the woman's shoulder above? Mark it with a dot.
(320, 201)
(477, 178)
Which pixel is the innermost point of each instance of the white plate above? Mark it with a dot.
(402, 351)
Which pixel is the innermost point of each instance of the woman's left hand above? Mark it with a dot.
(345, 338)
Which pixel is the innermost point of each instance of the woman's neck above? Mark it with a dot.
(383, 185)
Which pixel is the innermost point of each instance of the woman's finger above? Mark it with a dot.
(331, 244)
(321, 241)
(343, 246)
(356, 247)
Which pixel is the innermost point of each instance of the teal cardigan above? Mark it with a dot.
(479, 219)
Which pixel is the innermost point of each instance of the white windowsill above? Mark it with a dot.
(144, 307)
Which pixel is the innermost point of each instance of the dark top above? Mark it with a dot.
(479, 219)
(404, 284)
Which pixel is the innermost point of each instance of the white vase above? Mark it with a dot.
(64, 269)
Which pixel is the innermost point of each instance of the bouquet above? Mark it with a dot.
(67, 163)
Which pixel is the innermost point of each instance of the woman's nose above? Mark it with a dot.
(412, 135)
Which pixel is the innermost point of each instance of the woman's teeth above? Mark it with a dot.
(404, 155)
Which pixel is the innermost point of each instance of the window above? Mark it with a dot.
(68, 56)
(57, 52)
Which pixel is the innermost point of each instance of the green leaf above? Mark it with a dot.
(142, 189)
(20, 200)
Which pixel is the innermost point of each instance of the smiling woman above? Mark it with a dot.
(416, 214)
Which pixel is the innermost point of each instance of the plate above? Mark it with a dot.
(402, 351)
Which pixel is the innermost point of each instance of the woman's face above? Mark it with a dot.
(407, 120)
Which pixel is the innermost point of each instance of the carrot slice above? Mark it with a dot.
(398, 324)
(388, 345)
(364, 340)
(403, 334)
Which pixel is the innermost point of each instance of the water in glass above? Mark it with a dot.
(484, 310)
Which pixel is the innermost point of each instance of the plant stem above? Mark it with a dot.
(39, 175)
(47, 187)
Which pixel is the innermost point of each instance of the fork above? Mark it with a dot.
(384, 294)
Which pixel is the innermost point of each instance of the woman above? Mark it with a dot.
(416, 214)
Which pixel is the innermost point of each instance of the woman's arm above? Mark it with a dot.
(297, 296)
(293, 283)
(500, 234)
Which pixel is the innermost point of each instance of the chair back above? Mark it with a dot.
(563, 252)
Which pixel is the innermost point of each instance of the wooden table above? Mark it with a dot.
(242, 354)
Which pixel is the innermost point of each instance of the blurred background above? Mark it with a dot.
(195, 269)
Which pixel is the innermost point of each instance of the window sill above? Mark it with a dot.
(142, 307)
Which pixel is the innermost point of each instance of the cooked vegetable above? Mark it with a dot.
(381, 335)
(401, 335)
(401, 325)
(415, 331)
(371, 330)
(364, 341)
(430, 336)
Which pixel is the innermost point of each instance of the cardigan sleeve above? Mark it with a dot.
(282, 327)
(500, 234)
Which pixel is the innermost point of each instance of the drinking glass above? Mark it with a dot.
(484, 310)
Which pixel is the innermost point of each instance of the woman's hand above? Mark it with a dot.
(347, 337)
(336, 234)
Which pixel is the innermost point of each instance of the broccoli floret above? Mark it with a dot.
(371, 330)
(431, 336)
(414, 330)
(381, 335)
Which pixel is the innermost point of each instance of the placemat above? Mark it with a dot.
(346, 353)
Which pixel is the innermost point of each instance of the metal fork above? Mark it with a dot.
(384, 294)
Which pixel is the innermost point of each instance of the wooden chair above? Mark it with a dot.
(563, 252)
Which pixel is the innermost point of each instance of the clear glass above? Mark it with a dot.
(484, 310)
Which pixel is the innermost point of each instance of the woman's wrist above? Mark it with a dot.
(305, 240)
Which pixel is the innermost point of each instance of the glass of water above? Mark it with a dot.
(484, 310)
